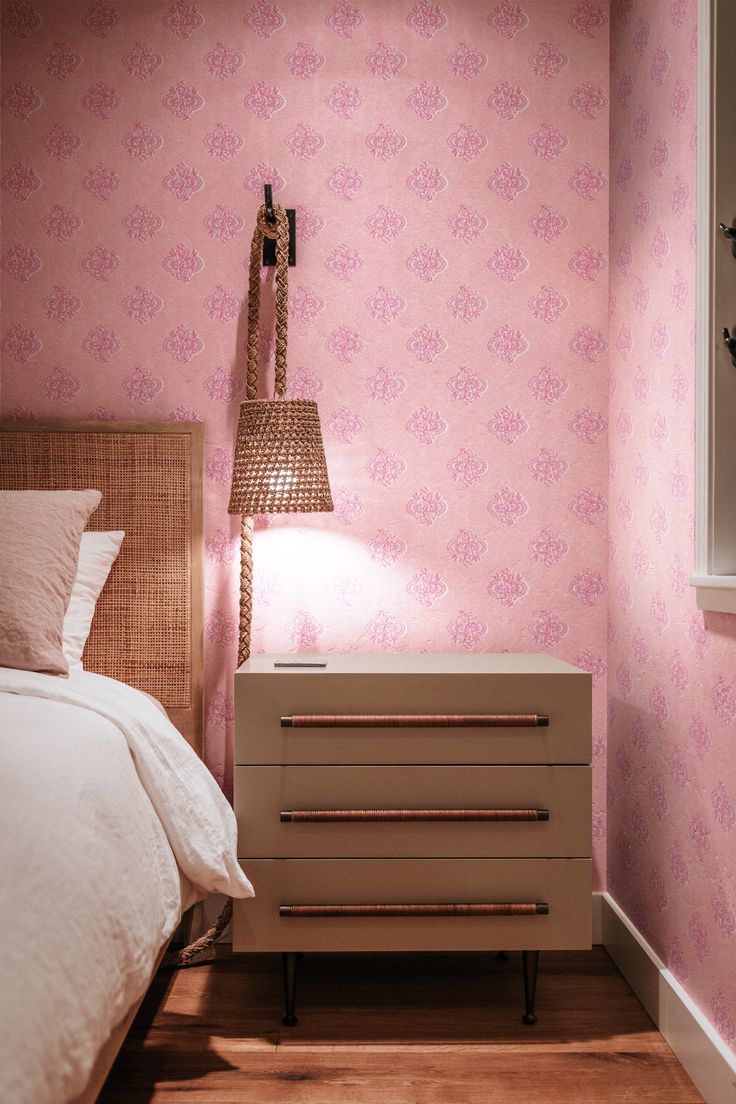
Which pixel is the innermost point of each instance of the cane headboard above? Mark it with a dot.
(147, 629)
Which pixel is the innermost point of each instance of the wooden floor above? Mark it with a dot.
(397, 1029)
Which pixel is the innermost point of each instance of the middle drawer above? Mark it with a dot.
(430, 812)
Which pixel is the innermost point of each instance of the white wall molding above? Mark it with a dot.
(715, 592)
(597, 917)
(715, 383)
(693, 1040)
(703, 467)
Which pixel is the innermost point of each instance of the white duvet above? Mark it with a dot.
(109, 826)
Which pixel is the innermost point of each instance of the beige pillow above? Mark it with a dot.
(40, 532)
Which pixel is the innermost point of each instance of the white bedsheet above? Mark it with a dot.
(105, 814)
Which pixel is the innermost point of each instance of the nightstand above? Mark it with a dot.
(413, 803)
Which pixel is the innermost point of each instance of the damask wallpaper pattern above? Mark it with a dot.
(449, 312)
(672, 709)
(449, 168)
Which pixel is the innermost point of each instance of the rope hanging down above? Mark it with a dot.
(280, 231)
(197, 951)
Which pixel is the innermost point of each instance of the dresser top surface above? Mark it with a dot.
(365, 663)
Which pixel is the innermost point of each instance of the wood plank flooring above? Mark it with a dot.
(397, 1029)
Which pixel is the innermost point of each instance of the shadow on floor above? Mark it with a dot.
(222, 1021)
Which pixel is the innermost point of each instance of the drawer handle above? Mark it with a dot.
(321, 816)
(416, 720)
(538, 909)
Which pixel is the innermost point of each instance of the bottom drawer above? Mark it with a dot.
(563, 885)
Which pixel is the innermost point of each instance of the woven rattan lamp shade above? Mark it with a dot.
(279, 465)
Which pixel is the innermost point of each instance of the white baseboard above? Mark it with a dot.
(694, 1041)
(597, 918)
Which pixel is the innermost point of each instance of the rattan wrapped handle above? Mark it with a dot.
(356, 816)
(540, 908)
(415, 720)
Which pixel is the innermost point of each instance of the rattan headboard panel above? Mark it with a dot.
(147, 629)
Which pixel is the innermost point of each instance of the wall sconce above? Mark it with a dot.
(279, 463)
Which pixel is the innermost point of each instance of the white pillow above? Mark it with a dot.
(97, 554)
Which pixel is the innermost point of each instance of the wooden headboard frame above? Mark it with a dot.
(148, 626)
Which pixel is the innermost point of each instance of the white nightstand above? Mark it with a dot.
(413, 803)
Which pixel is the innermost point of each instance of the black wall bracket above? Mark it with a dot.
(269, 244)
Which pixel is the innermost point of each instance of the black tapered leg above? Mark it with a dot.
(290, 961)
(531, 969)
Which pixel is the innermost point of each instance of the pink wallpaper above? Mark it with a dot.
(672, 709)
(448, 310)
(449, 167)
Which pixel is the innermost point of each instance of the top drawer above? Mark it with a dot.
(267, 697)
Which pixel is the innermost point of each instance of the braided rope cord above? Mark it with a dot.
(280, 231)
(195, 952)
(189, 956)
(246, 587)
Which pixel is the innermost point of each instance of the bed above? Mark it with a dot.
(110, 825)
